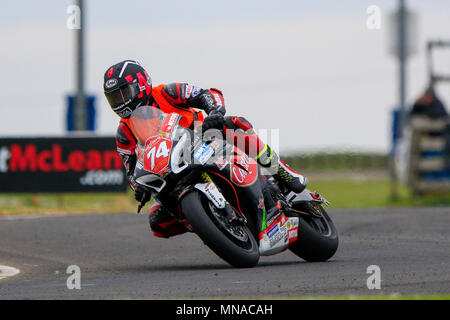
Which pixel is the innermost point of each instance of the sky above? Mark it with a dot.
(309, 70)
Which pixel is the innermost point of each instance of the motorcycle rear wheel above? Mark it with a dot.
(240, 252)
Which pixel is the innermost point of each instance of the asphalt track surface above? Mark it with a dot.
(119, 258)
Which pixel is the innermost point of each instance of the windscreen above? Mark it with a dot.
(146, 122)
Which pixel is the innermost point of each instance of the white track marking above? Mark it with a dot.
(6, 272)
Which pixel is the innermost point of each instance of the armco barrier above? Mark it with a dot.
(60, 164)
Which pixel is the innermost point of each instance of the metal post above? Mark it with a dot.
(430, 62)
(80, 104)
(402, 56)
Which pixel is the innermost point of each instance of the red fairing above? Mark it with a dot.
(169, 123)
(243, 170)
(157, 154)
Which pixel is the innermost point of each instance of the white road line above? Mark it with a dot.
(6, 271)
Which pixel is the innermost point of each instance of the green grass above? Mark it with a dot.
(341, 194)
(338, 160)
(67, 203)
(371, 194)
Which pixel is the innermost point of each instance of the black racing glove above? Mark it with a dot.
(214, 120)
(142, 195)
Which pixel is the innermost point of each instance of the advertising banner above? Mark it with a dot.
(60, 164)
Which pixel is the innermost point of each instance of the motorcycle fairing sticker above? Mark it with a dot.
(282, 228)
(244, 170)
(169, 124)
(272, 231)
(157, 155)
(203, 153)
(221, 163)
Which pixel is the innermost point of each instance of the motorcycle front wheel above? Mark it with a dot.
(233, 243)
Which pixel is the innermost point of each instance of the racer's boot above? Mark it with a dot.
(163, 224)
(283, 174)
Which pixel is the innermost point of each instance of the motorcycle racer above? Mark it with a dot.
(127, 86)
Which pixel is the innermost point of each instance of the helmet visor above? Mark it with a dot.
(122, 96)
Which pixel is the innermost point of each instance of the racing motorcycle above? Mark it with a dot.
(224, 196)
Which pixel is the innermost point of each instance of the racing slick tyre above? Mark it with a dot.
(234, 244)
(317, 236)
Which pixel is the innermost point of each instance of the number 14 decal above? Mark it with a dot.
(155, 154)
